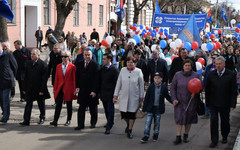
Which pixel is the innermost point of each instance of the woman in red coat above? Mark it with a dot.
(64, 87)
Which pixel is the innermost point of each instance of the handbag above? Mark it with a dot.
(140, 114)
(200, 107)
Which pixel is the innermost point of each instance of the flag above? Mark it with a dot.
(209, 16)
(5, 10)
(158, 9)
(223, 13)
(190, 32)
(120, 9)
(200, 12)
(218, 25)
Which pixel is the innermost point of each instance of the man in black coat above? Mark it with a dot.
(157, 65)
(22, 55)
(87, 87)
(141, 63)
(35, 86)
(94, 35)
(8, 69)
(221, 98)
(177, 63)
(108, 79)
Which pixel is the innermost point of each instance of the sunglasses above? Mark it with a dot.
(65, 56)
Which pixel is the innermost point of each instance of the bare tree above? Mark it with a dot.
(137, 8)
(3, 31)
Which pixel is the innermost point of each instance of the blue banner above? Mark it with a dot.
(224, 31)
(175, 20)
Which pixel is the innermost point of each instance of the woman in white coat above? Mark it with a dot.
(130, 90)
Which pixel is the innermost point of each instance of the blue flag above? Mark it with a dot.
(223, 13)
(5, 10)
(120, 9)
(200, 12)
(209, 16)
(190, 32)
(158, 9)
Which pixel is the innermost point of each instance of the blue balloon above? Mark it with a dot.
(163, 43)
(188, 46)
(141, 26)
(150, 29)
(238, 25)
(137, 38)
(165, 33)
(152, 34)
(154, 31)
(236, 34)
(210, 46)
(165, 30)
(199, 71)
(169, 36)
(144, 30)
(161, 30)
(207, 35)
(143, 33)
(238, 38)
(135, 25)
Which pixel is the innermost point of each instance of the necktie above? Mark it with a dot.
(155, 66)
(86, 65)
(219, 74)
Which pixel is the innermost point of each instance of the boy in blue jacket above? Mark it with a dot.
(154, 106)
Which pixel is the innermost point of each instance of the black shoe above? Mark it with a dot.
(107, 131)
(185, 138)
(178, 140)
(68, 123)
(78, 128)
(224, 140)
(3, 121)
(212, 145)
(105, 126)
(129, 134)
(126, 130)
(54, 123)
(155, 137)
(144, 139)
(41, 121)
(22, 100)
(92, 126)
(24, 123)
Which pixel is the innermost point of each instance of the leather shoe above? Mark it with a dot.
(24, 123)
(224, 140)
(78, 128)
(92, 126)
(41, 121)
(53, 123)
(3, 121)
(107, 131)
(212, 145)
(68, 123)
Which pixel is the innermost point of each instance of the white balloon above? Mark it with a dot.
(109, 40)
(216, 32)
(157, 35)
(173, 45)
(162, 55)
(132, 34)
(138, 29)
(163, 36)
(132, 40)
(169, 61)
(204, 47)
(233, 21)
(124, 32)
(153, 47)
(198, 65)
(169, 41)
(178, 42)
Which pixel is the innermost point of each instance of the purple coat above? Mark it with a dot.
(179, 91)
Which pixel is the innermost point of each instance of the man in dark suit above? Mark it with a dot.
(87, 87)
(141, 63)
(39, 37)
(22, 55)
(108, 80)
(221, 98)
(8, 69)
(35, 86)
(177, 63)
(80, 57)
(157, 65)
(94, 35)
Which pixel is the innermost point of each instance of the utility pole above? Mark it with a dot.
(216, 12)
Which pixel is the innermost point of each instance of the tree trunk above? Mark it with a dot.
(61, 19)
(119, 22)
(136, 13)
(3, 29)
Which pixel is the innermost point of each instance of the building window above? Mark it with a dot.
(76, 14)
(101, 15)
(126, 16)
(140, 17)
(12, 4)
(46, 5)
(144, 17)
(89, 19)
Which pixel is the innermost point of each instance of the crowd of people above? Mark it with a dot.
(86, 71)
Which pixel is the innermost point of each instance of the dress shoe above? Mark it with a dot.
(3, 121)
(178, 140)
(224, 140)
(212, 145)
(126, 129)
(22, 100)
(54, 123)
(41, 121)
(68, 123)
(185, 138)
(78, 128)
(92, 126)
(107, 131)
(24, 123)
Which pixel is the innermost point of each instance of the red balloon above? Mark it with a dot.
(223, 36)
(237, 30)
(213, 40)
(212, 36)
(182, 45)
(137, 32)
(218, 45)
(147, 28)
(161, 33)
(194, 45)
(134, 28)
(194, 85)
(214, 46)
(219, 31)
(174, 57)
(104, 43)
(131, 26)
(207, 25)
(145, 35)
(149, 33)
(201, 60)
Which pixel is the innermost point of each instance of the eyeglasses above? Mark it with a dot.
(213, 58)
(64, 56)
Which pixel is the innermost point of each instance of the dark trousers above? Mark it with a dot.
(5, 96)
(28, 109)
(109, 113)
(225, 124)
(81, 114)
(20, 84)
(39, 43)
(58, 108)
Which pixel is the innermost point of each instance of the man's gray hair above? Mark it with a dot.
(37, 50)
(220, 58)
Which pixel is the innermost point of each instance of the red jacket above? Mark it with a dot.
(66, 83)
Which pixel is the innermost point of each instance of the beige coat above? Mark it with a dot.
(129, 88)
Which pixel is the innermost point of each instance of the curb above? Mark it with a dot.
(237, 142)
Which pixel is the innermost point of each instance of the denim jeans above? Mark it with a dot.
(154, 114)
(5, 96)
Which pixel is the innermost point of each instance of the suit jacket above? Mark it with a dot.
(161, 67)
(38, 36)
(66, 83)
(80, 58)
(108, 80)
(88, 81)
(150, 97)
(221, 91)
(55, 59)
(141, 64)
(36, 80)
(22, 57)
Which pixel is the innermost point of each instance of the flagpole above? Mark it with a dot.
(216, 13)
(109, 20)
